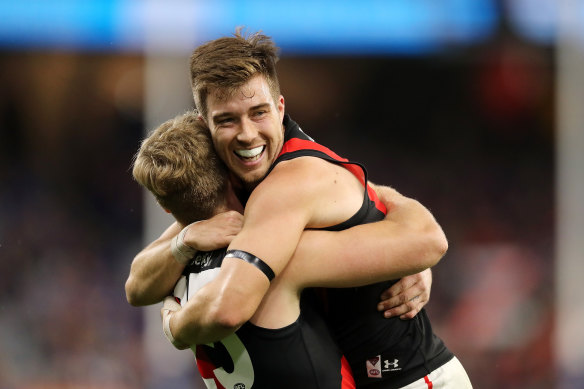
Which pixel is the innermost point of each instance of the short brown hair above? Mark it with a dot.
(229, 62)
(178, 164)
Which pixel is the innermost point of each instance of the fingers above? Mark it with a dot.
(399, 287)
(406, 305)
(228, 223)
(406, 297)
(216, 232)
(231, 219)
(413, 307)
(405, 311)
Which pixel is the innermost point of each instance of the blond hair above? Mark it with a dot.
(178, 164)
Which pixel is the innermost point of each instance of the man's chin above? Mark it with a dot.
(250, 181)
(251, 184)
(251, 178)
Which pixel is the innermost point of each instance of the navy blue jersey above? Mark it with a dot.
(383, 353)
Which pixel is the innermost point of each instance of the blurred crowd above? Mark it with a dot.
(71, 221)
(468, 134)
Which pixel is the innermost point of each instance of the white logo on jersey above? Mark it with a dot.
(394, 365)
(203, 259)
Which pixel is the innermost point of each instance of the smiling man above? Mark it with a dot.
(289, 183)
(246, 126)
(177, 163)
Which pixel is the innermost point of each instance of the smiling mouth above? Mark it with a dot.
(250, 155)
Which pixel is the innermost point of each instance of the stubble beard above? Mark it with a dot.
(251, 184)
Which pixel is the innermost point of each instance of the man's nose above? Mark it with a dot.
(247, 131)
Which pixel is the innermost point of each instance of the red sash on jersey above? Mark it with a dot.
(296, 144)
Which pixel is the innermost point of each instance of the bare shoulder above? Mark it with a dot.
(296, 180)
(303, 167)
(325, 192)
(290, 185)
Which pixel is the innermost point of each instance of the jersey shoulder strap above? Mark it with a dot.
(299, 144)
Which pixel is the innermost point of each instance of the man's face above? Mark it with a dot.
(247, 130)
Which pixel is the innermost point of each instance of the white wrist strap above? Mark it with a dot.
(181, 251)
(169, 307)
(166, 327)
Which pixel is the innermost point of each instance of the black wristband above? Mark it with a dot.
(249, 258)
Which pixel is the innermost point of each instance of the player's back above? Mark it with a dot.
(301, 354)
(384, 353)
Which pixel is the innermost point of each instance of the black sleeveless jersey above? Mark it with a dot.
(382, 353)
(300, 355)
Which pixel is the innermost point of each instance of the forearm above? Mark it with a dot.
(201, 328)
(407, 241)
(154, 271)
(199, 322)
(222, 306)
(421, 232)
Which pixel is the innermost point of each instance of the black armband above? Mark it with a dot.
(249, 258)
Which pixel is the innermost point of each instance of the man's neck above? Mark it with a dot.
(241, 190)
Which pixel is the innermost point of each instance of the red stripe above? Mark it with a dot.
(428, 382)
(206, 367)
(296, 144)
(347, 380)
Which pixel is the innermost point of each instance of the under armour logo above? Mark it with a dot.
(393, 364)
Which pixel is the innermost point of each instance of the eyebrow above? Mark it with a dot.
(219, 117)
(263, 105)
(223, 115)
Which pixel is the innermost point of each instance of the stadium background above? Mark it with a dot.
(474, 107)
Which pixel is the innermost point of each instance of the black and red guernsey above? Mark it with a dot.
(382, 353)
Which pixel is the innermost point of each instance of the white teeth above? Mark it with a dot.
(251, 153)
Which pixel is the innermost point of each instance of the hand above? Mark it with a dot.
(407, 297)
(169, 308)
(214, 233)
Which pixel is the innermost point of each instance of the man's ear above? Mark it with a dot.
(281, 107)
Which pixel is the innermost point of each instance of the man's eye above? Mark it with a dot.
(259, 113)
(226, 121)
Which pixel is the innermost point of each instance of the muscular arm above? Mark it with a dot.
(411, 293)
(154, 271)
(407, 241)
(276, 214)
